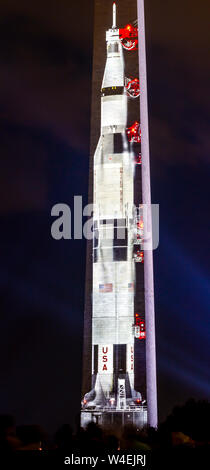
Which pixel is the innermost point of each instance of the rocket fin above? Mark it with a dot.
(96, 395)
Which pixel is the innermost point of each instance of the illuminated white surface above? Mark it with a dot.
(148, 254)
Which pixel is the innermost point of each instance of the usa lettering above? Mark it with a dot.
(105, 358)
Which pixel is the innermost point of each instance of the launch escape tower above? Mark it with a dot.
(116, 336)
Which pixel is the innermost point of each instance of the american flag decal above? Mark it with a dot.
(130, 286)
(103, 288)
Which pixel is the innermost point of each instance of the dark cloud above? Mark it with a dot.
(23, 178)
(45, 96)
(184, 24)
(178, 76)
(24, 39)
(179, 107)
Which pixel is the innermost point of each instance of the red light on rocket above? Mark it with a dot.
(134, 133)
(129, 37)
(133, 88)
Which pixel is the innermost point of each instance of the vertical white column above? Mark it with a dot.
(148, 255)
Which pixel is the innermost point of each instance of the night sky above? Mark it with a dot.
(45, 83)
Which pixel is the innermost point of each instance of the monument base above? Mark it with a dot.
(115, 419)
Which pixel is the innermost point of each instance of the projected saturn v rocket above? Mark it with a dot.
(118, 235)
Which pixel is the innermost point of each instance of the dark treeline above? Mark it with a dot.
(187, 427)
